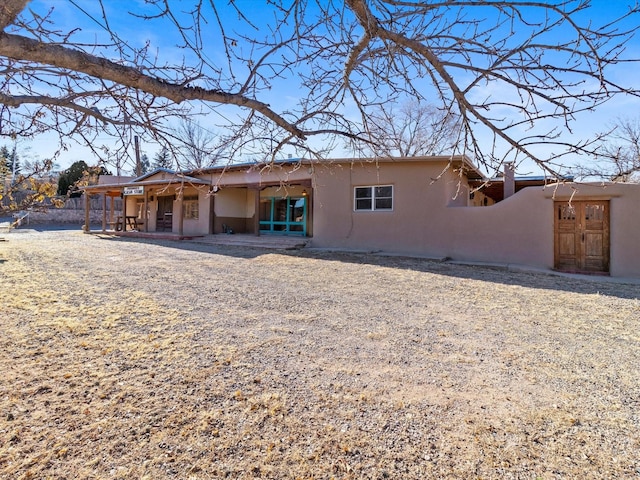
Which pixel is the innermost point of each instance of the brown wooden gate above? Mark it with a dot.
(582, 236)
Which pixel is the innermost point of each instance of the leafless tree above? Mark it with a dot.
(619, 154)
(197, 146)
(410, 130)
(515, 73)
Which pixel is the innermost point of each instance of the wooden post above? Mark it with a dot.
(212, 213)
(111, 212)
(138, 163)
(87, 227)
(104, 212)
(124, 213)
(256, 213)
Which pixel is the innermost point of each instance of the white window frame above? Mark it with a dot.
(372, 196)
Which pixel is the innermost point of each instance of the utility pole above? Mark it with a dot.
(138, 164)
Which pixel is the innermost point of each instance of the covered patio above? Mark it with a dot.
(148, 204)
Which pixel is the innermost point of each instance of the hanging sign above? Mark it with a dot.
(134, 190)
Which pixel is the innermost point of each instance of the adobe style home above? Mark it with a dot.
(440, 207)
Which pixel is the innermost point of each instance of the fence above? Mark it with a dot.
(72, 212)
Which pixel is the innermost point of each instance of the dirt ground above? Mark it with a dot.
(124, 359)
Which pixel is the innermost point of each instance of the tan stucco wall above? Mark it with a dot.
(255, 177)
(430, 218)
(201, 225)
(432, 215)
(419, 205)
(234, 202)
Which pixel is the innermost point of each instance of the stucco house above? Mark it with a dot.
(438, 206)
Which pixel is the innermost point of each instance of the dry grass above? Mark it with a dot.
(145, 360)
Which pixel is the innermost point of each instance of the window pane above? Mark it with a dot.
(363, 204)
(297, 210)
(363, 192)
(280, 210)
(384, 203)
(386, 191)
(265, 210)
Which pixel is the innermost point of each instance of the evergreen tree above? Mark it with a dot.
(162, 159)
(4, 157)
(71, 176)
(145, 164)
(10, 159)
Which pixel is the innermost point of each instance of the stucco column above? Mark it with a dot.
(146, 209)
(180, 215)
(310, 213)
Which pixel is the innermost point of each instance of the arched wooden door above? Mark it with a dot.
(582, 236)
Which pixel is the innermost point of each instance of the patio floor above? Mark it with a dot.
(276, 242)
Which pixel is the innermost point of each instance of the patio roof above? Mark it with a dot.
(166, 178)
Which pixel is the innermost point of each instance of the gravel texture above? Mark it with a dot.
(127, 359)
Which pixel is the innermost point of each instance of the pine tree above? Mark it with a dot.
(162, 159)
(145, 164)
(9, 159)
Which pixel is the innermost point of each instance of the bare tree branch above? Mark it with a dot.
(514, 73)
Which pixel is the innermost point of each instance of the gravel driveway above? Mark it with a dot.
(155, 359)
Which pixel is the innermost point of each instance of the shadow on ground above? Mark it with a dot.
(546, 280)
(614, 287)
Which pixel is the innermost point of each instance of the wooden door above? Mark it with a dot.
(164, 216)
(582, 236)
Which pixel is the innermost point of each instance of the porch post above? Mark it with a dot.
(87, 227)
(104, 212)
(256, 213)
(180, 216)
(124, 212)
(146, 209)
(309, 226)
(212, 213)
(112, 207)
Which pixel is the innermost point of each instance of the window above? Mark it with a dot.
(373, 198)
(190, 208)
(283, 215)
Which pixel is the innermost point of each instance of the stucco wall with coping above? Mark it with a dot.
(427, 221)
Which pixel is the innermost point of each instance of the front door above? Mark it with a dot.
(582, 236)
(164, 218)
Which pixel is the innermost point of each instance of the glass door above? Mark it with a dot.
(286, 216)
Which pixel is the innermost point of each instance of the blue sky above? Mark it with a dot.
(283, 95)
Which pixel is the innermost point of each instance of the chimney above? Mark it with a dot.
(509, 179)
